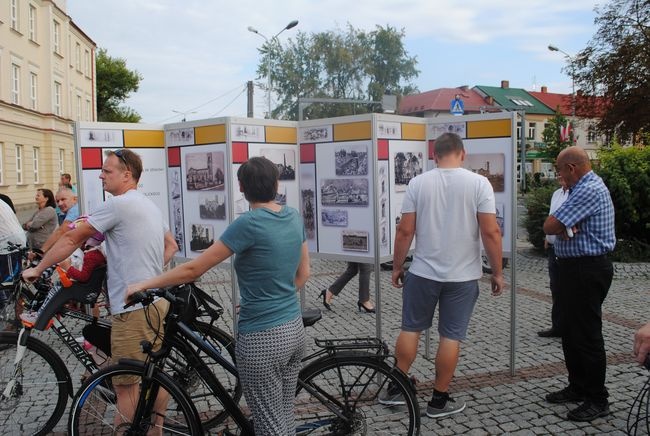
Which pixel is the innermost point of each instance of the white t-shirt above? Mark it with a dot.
(135, 242)
(446, 202)
(559, 197)
(10, 229)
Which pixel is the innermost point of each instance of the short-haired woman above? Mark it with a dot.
(272, 262)
(44, 221)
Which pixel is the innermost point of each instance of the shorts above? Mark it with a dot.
(420, 297)
(131, 328)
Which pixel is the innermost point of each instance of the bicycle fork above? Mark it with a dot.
(21, 348)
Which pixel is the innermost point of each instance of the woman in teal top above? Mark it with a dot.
(272, 262)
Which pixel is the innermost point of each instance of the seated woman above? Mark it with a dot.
(272, 262)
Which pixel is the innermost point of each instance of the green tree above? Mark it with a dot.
(553, 138)
(348, 64)
(616, 65)
(115, 82)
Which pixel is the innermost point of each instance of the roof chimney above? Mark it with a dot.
(505, 84)
(544, 89)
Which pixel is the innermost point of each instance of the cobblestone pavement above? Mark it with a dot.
(497, 403)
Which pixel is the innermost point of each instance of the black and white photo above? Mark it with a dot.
(351, 160)
(334, 217)
(407, 166)
(490, 165)
(205, 171)
(202, 237)
(344, 192)
(212, 206)
(308, 212)
(354, 240)
(284, 159)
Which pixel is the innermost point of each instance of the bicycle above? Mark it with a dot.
(337, 390)
(638, 418)
(33, 374)
(12, 289)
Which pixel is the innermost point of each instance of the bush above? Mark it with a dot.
(538, 202)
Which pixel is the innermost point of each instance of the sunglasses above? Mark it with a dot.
(120, 154)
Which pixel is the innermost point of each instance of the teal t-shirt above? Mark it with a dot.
(267, 247)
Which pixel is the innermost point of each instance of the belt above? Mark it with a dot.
(583, 259)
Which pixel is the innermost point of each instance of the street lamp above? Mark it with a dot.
(572, 60)
(185, 114)
(291, 25)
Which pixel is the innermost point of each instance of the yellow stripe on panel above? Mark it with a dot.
(144, 138)
(352, 131)
(489, 129)
(281, 135)
(210, 134)
(414, 131)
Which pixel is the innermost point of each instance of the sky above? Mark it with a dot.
(196, 56)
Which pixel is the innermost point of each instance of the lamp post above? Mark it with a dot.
(185, 114)
(251, 29)
(573, 77)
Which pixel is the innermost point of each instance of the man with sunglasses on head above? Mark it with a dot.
(138, 245)
(584, 225)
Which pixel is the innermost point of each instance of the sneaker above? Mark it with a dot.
(392, 396)
(566, 395)
(449, 408)
(588, 411)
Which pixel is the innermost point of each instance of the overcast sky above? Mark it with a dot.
(196, 55)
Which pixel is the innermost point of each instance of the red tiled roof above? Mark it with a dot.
(586, 106)
(438, 100)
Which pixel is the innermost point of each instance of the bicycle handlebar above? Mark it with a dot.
(147, 296)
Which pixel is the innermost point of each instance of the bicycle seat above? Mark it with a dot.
(311, 316)
(84, 293)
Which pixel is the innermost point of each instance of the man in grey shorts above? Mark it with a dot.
(445, 209)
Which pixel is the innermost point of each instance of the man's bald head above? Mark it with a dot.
(572, 163)
(65, 199)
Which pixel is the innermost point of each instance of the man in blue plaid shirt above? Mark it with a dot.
(585, 228)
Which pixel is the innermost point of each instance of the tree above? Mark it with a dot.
(349, 64)
(114, 84)
(552, 136)
(616, 65)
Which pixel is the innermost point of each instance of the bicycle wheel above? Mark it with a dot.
(33, 396)
(208, 406)
(94, 409)
(351, 383)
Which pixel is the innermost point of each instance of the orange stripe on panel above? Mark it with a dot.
(414, 131)
(352, 131)
(489, 129)
(144, 138)
(210, 134)
(281, 135)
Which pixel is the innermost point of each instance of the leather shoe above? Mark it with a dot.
(588, 411)
(550, 333)
(566, 395)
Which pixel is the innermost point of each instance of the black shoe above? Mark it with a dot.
(566, 395)
(588, 411)
(362, 307)
(325, 303)
(550, 333)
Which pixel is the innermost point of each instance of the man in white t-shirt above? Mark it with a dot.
(446, 210)
(559, 197)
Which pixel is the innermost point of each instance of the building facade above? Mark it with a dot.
(47, 82)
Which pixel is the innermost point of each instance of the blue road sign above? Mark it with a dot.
(457, 107)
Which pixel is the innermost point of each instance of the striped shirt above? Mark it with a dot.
(590, 208)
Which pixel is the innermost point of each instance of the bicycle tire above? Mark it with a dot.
(352, 381)
(93, 408)
(40, 394)
(208, 406)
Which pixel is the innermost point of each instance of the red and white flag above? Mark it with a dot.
(565, 132)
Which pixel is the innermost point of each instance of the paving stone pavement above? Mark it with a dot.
(497, 403)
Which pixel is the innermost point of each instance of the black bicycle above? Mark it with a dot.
(337, 391)
(12, 289)
(638, 418)
(34, 377)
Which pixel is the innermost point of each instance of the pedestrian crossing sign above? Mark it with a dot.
(456, 107)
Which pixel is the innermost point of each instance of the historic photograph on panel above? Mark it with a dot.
(457, 128)
(384, 233)
(489, 165)
(281, 195)
(334, 217)
(241, 132)
(355, 240)
(212, 206)
(351, 160)
(205, 171)
(179, 137)
(96, 137)
(344, 192)
(177, 207)
(285, 160)
(316, 134)
(501, 214)
(202, 237)
(308, 212)
(407, 166)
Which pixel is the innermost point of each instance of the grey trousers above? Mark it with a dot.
(364, 270)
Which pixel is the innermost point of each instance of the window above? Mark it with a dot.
(57, 37)
(532, 128)
(37, 155)
(19, 164)
(2, 179)
(78, 108)
(518, 129)
(15, 84)
(13, 19)
(591, 133)
(61, 161)
(32, 23)
(88, 116)
(87, 63)
(57, 98)
(33, 91)
(77, 56)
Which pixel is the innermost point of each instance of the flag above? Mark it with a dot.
(565, 132)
